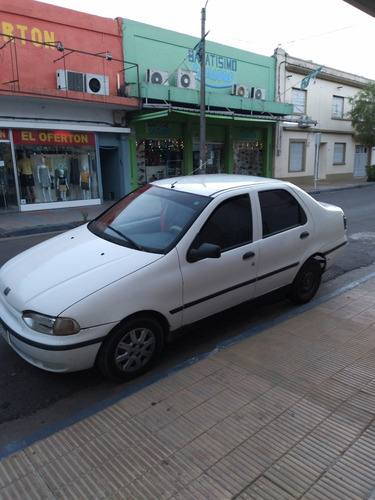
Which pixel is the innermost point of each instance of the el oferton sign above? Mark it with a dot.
(53, 137)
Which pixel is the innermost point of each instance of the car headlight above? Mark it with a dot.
(50, 325)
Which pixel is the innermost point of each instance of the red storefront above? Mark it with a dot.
(63, 107)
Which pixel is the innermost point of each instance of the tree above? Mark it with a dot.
(362, 115)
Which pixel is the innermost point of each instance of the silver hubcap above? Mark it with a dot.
(135, 350)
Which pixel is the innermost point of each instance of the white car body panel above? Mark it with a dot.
(99, 283)
(51, 276)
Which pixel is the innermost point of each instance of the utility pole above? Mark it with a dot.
(202, 143)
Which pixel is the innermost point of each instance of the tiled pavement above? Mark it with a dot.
(285, 412)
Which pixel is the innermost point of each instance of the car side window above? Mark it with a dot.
(280, 211)
(229, 226)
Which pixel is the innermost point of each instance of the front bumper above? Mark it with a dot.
(50, 353)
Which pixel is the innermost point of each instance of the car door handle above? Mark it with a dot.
(304, 235)
(248, 255)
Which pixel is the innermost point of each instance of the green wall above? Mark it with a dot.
(155, 48)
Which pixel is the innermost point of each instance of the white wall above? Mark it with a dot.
(319, 97)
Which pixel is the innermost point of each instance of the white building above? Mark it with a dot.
(318, 141)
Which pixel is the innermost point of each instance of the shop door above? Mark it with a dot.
(8, 194)
(111, 181)
(214, 163)
(360, 161)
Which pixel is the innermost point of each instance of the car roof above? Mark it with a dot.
(211, 184)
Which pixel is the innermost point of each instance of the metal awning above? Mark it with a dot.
(230, 116)
(219, 115)
(151, 116)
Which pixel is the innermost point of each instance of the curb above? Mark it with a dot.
(345, 188)
(26, 231)
(40, 229)
(65, 226)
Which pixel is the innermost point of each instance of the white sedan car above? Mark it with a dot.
(175, 251)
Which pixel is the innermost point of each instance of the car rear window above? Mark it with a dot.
(280, 211)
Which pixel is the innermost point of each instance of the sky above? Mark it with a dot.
(331, 33)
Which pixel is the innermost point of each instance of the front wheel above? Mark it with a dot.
(306, 283)
(131, 349)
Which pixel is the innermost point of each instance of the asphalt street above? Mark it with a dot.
(43, 398)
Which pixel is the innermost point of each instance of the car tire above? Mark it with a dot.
(131, 349)
(306, 283)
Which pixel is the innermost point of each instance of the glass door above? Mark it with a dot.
(8, 193)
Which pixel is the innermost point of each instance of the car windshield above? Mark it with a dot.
(150, 219)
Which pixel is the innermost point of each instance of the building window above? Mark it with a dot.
(248, 157)
(337, 107)
(297, 156)
(339, 153)
(56, 165)
(299, 101)
(158, 159)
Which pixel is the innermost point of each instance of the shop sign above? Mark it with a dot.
(221, 72)
(4, 136)
(37, 35)
(53, 138)
(247, 133)
(158, 128)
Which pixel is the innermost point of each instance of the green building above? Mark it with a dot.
(241, 111)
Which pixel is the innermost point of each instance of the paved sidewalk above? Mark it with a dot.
(286, 411)
(42, 221)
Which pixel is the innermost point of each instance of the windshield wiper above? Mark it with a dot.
(126, 238)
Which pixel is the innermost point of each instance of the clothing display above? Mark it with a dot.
(62, 184)
(85, 180)
(27, 180)
(44, 177)
(25, 166)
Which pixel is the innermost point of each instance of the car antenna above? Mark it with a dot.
(191, 173)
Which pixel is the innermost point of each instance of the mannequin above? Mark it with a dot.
(44, 179)
(62, 185)
(85, 182)
(25, 168)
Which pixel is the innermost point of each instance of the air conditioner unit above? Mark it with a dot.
(306, 122)
(157, 76)
(70, 80)
(258, 93)
(186, 79)
(240, 90)
(97, 84)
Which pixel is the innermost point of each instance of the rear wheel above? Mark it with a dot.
(306, 283)
(131, 349)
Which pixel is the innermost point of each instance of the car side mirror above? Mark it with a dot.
(205, 251)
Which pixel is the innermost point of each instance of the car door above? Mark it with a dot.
(287, 232)
(211, 285)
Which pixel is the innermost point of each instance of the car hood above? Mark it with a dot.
(53, 275)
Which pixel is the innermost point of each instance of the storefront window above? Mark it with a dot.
(8, 194)
(158, 159)
(214, 158)
(248, 158)
(55, 166)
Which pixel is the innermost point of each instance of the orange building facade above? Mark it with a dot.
(63, 107)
